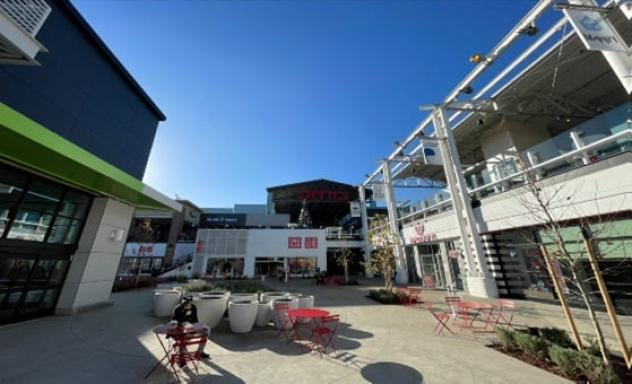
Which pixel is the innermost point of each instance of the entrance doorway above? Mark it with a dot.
(268, 266)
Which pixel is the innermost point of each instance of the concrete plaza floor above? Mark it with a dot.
(376, 344)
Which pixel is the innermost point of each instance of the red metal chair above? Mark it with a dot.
(180, 354)
(442, 319)
(323, 334)
(452, 302)
(506, 311)
(286, 322)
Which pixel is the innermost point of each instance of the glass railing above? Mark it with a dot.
(585, 144)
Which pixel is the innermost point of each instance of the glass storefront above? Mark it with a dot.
(40, 224)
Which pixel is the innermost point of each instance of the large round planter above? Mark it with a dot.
(215, 293)
(273, 314)
(210, 309)
(263, 314)
(164, 302)
(243, 297)
(242, 315)
(266, 297)
(306, 301)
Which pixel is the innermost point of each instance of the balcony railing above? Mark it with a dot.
(605, 147)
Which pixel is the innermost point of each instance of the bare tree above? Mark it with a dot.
(383, 242)
(571, 254)
(143, 234)
(344, 257)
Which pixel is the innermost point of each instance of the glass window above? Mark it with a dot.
(75, 205)
(29, 225)
(64, 231)
(15, 270)
(42, 196)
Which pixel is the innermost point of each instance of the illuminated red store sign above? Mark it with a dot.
(322, 194)
(311, 242)
(294, 242)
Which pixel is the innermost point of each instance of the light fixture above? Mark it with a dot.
(530, 30)
(396, 143)
(477, 58)
(480, 121)
(467, 90)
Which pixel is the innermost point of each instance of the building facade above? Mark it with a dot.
(553, 123)
(75, 135)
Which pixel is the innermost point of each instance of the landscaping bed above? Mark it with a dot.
(552, 350)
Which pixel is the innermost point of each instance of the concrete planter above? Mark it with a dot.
(266, 297)
(165, 301)
(211, 309)
(263, 314)
(243, 297)
(305, 301)
(242, 315)
(293, 304)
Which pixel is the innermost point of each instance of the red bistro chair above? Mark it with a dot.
(286, 322)
(452, 302)
(506, 311)
(181, 355)
(323, 335)
(442, 319)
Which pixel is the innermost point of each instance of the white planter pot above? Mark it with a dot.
(266, 297)
(273, 314)
(305, 301)
(242, 315)
(215, 293)
(263, 315)
(210, 309)
(164, 302)
(243, 297)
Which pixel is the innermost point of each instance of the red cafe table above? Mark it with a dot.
(311, 315)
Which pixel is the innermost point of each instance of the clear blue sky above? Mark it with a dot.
(266, 93)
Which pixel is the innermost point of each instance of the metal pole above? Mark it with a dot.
(401, 269)
(368, 269)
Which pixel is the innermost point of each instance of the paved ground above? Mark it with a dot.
(376, 344)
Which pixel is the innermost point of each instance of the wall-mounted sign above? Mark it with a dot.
(432, 152)
(223, 220)
(311, 242)
(379, 191)
(294, 242)
(145, 250)
(454, 253)
(421, 236)
(322, 194)
(354, 207)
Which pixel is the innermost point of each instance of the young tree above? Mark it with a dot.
(344, 257)
(143, 234)
(570, 254)
(383, 243)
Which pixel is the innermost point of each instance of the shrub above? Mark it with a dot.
(567, 360)
(532, 345)
(506, 337)
(596, 371)
(556, 336)
(592, 347)
(386, 297)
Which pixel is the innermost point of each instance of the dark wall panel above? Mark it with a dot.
(81, 95)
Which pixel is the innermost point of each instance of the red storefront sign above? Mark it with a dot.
(294, 242)
(311, 242)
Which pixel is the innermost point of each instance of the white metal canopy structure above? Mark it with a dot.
(550, 80)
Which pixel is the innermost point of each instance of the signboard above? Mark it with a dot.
(432, 152)
(145, 250)
(596, 32)
(454, 253)
(354, 207)
(311, 242)
(294, 242)
(223, 219)
(379, 191)
(626, 7)
(421, 236)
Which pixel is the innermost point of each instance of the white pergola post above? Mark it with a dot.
(368, 269)
(479, 279)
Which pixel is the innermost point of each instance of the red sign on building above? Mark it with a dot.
(311, 242)
(294, 242)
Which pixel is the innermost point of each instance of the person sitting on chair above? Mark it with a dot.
(185, 313)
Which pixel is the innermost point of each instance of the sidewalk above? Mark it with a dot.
(376, 344)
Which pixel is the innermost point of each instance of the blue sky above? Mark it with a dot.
(266, 93)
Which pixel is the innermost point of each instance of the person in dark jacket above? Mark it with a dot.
(186, 313)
